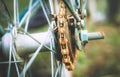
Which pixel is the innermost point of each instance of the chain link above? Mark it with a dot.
(65, 44)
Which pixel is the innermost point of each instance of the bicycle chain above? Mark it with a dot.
(66, 37)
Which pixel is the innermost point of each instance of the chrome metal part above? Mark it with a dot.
(24, 44)
(85, 35)
(95, 35)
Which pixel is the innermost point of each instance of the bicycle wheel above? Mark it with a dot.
(19, 26)
(18, 29)
(63, 37)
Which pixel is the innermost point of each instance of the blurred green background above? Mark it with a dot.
(100, 58)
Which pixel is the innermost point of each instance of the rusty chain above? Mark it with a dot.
(66, 37)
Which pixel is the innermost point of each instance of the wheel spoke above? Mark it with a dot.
(33, 8)
(10, 58)
(51, 6)
(58, 70)
(56, 5)
(34, 55)
(52, 65)
(72, 10)
(28, 34)
(52, 57)
(16, 65)
(41, 3)
(23, 75)
(29, 14)
(16, 12)
(85, 4)
(17, 24)
(7, 62)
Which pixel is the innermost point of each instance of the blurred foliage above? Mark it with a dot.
(42, 65)
(101, 57)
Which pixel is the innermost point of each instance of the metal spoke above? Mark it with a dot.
(16, 12)
(16, 65)
(6, 62)
(29, 14)
(10, 58)
(52, 57)
(81, 5)
(49, 23)
(85, 4)
(51, 6)
(72, 10)
(52, 65)
(25, 63)
(58, 70)
(28, 34)
(72, 4)
(40, 43)
(56, 5)
(64, 71)
(45, 13)
(33, 8)
(34, 56)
